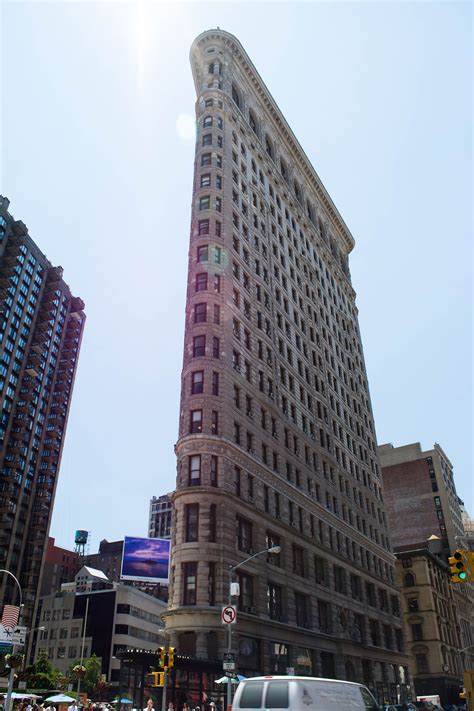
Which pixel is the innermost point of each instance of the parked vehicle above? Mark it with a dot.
(301, 693)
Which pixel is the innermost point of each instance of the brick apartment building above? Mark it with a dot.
(41, 326)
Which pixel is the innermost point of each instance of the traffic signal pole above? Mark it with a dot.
(165, 686)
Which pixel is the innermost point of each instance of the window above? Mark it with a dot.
(246, 592)
(320, 570)
(215, 347)
(417, 632)
(213, 470)
(203, 229)
(195, 426)
(189, 583)
(203, 253)
(339, 579)
(207, 122)
(207, 139)
(421, 664)
(200, 313)
(412, 604)
(206, 159)
(205, 180)
(301, 609)
(274, 601)
(214, 422)
(199, 346)
(211, 582)
(409, 580)
(191, 522)
(217, 255)
(194, 474)
(201, 281)
(212, 523)
(217, 283)
(237, 480)
(298, 560)
(197, 382)
(244, 535)
(235, 95)
(215, 383)
(217, 314)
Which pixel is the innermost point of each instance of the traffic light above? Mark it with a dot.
(171, 651)
(162, 653)
(155, 679)
(458, 567)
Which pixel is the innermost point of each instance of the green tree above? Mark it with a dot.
(93, 667)
(41, 674)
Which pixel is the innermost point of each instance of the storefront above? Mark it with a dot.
(191, 680)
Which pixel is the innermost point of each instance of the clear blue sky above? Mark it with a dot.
(379, 96)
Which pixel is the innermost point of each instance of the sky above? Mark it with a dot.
(97, 160)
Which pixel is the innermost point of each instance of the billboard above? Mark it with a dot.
(146, 559)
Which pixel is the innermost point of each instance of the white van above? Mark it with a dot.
(301, 693)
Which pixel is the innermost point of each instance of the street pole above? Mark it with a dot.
(271, 549)
(229, 640)
(82, 646)
(165, 686)
(11, 677)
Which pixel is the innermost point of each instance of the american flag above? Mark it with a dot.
(10, 616)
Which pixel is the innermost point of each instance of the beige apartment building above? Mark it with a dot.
(277, 441)
(422, 502)
(431, 619)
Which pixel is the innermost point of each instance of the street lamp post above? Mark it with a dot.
(232, 569)
(11, 677)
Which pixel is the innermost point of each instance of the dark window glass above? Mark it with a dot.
(192, 522)
(200, 313)
(252, 696)
(194, 474)
(203, 253)
(201, 281)
(197, 382)
(189, 583)
(214, 470)
(277, 695)
(199, 346)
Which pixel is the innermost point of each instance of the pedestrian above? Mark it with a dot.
(72, 707)
(149, 705)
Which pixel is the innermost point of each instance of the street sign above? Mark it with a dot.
(14, 635)
(229, 615)
(19, 635)
(6, 647)
(229, 657)
(228, 666)
(290, 671)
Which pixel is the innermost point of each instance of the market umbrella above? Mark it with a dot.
(232, 679)
(60, 699)
(16, 695)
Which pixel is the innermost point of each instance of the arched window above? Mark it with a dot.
(268, 145)
(236, 96)
(207, 123)
(409, 580)
(211, 68)
(253, 122)
(421, 663)
(283, 169)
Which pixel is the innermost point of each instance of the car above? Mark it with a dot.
(298, 693)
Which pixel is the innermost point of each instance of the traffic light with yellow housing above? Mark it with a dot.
(155, 679)
(171, 651)
(458, 567)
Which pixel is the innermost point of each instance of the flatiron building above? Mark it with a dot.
(277, 443)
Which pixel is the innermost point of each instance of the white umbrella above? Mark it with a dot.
(60, 699)
(16, 695)
(231, 679)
